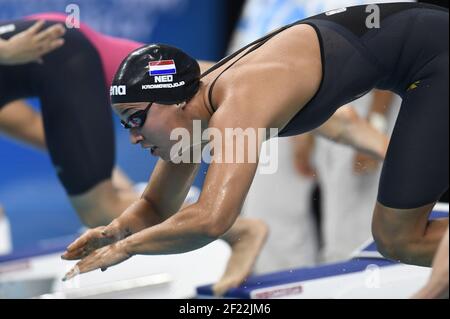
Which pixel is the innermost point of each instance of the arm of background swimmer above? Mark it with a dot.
(381, 102)
(346, 127)
(21, 122)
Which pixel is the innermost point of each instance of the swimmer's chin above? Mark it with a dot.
(158, 154)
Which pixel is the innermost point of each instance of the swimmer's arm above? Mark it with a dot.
(346, 127)
(19, 121)
(195, 226)
(163, 197)
(30, 45)
(226, 186)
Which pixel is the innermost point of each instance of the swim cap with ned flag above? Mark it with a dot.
(156, 73)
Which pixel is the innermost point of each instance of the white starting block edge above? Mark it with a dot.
(441, 207)
(150, 277)
(119, 287)
(375, 277)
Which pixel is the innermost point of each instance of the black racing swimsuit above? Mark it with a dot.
(408, 55)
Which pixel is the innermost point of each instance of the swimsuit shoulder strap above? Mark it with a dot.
(256, 44)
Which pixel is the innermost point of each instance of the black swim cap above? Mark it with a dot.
(156, 73)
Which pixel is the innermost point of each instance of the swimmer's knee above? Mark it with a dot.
(391, 246)
(96, 215)
(84, 178)
(396, 233)
(92, 219)
(102, 204)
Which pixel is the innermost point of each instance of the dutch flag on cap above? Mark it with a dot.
(164, 67)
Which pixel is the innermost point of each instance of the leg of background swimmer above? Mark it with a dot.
(99, 205)
(19, 121)
(120, 180)
(437, 286)
(102, 203)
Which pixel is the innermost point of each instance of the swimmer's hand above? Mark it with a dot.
(100, 259)
(32, 44)
(94, 239)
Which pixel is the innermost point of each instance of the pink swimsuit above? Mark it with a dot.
(112, 50)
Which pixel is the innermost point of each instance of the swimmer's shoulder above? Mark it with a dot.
(280, 63)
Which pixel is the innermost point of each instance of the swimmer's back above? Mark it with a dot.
(355, 58)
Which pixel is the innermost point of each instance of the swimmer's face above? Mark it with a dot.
(153, 125)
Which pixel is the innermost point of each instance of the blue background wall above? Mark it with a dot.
(33, 199)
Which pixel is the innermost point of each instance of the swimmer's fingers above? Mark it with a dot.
(85, 242)
(50, 39)
(92, 240)
(50, 34)
(30, 45)
(50, 46)
(102, 258)
(75, 254)
(87, 237)
(35, 28)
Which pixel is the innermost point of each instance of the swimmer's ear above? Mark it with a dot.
(182, 105)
